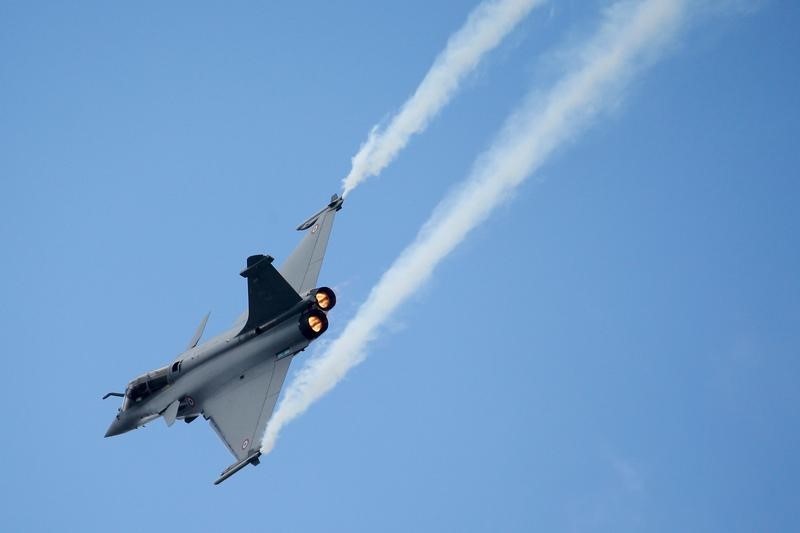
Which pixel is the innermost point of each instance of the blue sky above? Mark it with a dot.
(615, 349)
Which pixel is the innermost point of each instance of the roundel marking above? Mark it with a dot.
(245, 443)
(190, 401)
(315, 228)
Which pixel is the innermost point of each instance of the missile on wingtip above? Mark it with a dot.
(231, 470)
(335, 204)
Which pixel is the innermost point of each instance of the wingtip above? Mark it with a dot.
(334, 205)
(252, 459)
(336, 202)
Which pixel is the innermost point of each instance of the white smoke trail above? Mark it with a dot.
(485, 27)
(631, 34)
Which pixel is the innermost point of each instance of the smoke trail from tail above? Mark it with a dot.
(630, 36)
(486, 26)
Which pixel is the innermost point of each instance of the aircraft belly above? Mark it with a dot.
(202, 377)
(208, 378)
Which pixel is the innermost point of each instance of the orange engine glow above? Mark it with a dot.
(323, 300)
(315, 323)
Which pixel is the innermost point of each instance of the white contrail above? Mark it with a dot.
(485, 27)
(631, 34)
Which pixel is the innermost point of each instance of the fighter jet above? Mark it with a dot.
(234, 379)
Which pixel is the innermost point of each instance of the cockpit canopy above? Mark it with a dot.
(145, 386)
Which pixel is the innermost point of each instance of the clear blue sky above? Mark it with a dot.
(616, 349)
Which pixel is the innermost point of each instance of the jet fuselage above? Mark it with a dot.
(198, 373)
(234, 380)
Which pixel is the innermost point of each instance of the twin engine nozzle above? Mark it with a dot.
(325, 298)
(314, 322)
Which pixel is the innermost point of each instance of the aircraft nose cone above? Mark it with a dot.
(115, 428)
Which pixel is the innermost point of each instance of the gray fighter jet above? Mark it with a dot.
(234, 379)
